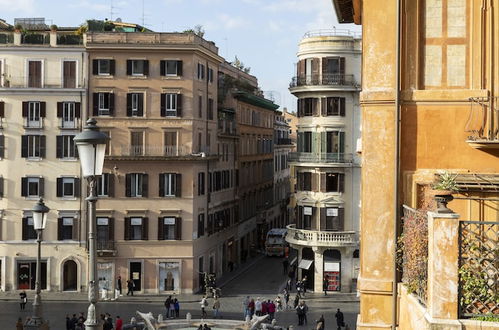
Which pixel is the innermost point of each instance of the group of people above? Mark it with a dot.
(74, 322)
(172, 306)
(260, 307)
(215, 306)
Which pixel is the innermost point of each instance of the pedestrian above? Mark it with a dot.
(74, 321)
(288, 285)
(204, 304)
(258, 307)
(278, 303)
(298, 288)
(286, 298)
(300, 311)
(264, 307)
(321, 324)
(24, 300)
(216, 307)
(297, 300)
(68, 322)
(271, 309)
(119, 323)
(172, 309)
(119, 285)
(251, 307)
(108, 322)
(325, 285)
(130, 285)
(133, 325)
(19, 324)
(167, 303)
(246, 302)
(304, 282)
(285, 265)
(176, 304)
(340, 319)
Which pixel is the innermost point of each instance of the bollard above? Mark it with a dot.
(188, 317)
(160, 318)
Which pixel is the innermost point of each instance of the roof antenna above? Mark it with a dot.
(111, 11)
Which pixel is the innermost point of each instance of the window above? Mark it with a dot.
(105, 233)
(200, 71)
(1, 186)
(334, 218)
(169, 228)
(136, 185)
(66, 148)
(105, 185)
(200, 106)
(66, 227)
(333, 106)
(170, 184)
(200, 141)
(135, 104)
(34, 112)
(29, 231)
(305, 141)
(171, 146)
(137, 143)
(2, 146)
(69, 74)
(33, 146)
(137, 67)
(305, 181)
(68, 187)
(210, 109)
(35, 74)
(332, 182)
(210, 75)
(171, 105)
(103, 67)
(200, 225)
(68, 112)
(335, 142)
(307, 107)
(201, 178)
(108, 142)
(171, 68)
(32, 187)
(136, 228)
(305, 215)
(103, 104)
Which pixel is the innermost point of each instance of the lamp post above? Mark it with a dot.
(39, 221)
(91, 144)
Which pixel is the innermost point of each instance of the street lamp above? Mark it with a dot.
(39, 221)
(91, 144)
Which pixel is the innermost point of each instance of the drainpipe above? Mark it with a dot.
(397, 165)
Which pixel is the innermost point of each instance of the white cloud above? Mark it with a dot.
(24, 7)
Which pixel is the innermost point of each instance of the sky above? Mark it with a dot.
(263, 34)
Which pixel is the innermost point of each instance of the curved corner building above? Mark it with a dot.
(326, 166)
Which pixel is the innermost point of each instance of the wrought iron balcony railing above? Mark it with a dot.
(321, 157)
(483, 122)
(324, 79)
(106, 245)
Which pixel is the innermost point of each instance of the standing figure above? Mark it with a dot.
(286, 298)
(216, 307)
(172, 308)
(119, 285)
(167, 304)
(204, 304)
(340, 319)
(325, 285)
(251, 307)
(24, 300)
(258, 307)
(119, 323)
(246, 302)
(297, 300)
(176, 304)
(278, 303)
(271, 309)
(129, 285)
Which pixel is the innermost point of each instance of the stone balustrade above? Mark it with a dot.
(320, 238)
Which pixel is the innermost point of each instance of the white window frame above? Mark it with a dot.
(136, 181)
(2, 72)
(134, 222)
(99, 73)
(167, 222)
(68, 147)
(102, 110)
(103, 184)
(176, 68)
(68, 222)
(33, 180)
(68, 180)
(134, 63)
(34, 109)
(171, 104)
(42, 71)
(69, 111)
(34, 144)
(170, 182)
(135, 104)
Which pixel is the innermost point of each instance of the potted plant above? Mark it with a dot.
(18, 27)
(53, 28)
(442, 190)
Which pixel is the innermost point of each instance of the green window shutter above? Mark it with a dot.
(341, 142)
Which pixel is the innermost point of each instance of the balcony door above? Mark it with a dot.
(137, 143)
(69, 74)
(333, 70)
(35, 74)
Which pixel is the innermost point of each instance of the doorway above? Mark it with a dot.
(136, 274)
(70, 276)
(26, 275)
(332, 269)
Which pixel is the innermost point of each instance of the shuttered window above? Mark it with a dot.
(171, 68)
(33, 146)
(35, 74)
(28, 231)
(136, 228)
(69, 74)
(171, 105)
(136, 185)
(169, 228)
(135, 105)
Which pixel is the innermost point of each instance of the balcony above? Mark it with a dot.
(227, 127)
(157, 152)
(304, 237)
(483, 123)
(106, 248)
(321, 157)
(325, 79)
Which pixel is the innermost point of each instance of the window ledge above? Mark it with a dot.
(68, 159)
(68, 198)
(171, 77)
(32, 198)
(34, 159)
(138, 77)
(103, 76)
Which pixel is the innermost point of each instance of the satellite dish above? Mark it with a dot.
(118, 20)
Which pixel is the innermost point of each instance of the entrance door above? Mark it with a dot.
(136, 274)
(70, 277)
(26, 275)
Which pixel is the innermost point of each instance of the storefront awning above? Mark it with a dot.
(305, 264)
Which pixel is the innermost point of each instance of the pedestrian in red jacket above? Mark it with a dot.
(271, 309)
(119, 323)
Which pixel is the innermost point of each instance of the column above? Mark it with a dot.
(443, 265)
(346, 269)
(299, 252)
(319, 269)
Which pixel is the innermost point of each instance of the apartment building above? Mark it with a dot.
(429, 105)
(43, 92)
(326, 171)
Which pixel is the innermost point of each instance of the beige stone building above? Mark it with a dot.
(43, 92)
(326, 169)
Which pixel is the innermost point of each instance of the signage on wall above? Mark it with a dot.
(332, 212)
(307, 210)
(331, 266)
(169, 221)
(136, 275)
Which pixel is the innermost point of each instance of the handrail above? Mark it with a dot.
(332, 32)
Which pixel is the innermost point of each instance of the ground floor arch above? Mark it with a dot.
(70, 276)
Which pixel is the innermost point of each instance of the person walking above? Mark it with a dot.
(119, 323)
(285, 265)
(288, 285)
(258, 307)
(340, 319)
(172, 309)
(246, 302)
(304, 283)
(286, 298)
(176, 304)
(204, 304)
(325, 285)
(24, 300)
(251, 307)
(297, 300)
(300, 311)
(298, 288)
(216, 307)
(278, 303)
(119, 285)
(271, 309)
(321, 324)
(167, 304)
(108, 322)
(19, 324)
(130, 285)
